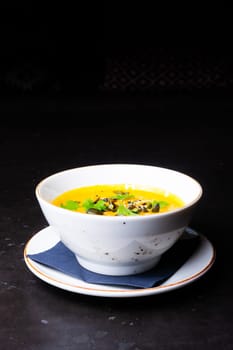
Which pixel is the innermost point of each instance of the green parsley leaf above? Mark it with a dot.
(154, 203)
(122, 196)
(70, 205)
(123, 211)
(163, 204)
(100, 205)
(88, 204)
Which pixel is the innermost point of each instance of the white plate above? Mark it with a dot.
(196, 266)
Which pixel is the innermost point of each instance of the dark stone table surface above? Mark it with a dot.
(37, 316)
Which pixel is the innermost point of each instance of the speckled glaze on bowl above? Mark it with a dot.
(118, 245)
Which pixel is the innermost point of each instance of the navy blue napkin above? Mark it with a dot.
(62, 259)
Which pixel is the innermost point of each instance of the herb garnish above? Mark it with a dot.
(121, 204)
(122, 196)
(122, 210)
(90, 204)
(70, 205)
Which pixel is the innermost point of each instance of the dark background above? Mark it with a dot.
(115, 56)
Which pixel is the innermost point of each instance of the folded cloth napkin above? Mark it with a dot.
(62, 259)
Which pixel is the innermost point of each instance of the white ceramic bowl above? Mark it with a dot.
(118, 245)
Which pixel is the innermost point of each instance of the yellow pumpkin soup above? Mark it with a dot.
(118, 200)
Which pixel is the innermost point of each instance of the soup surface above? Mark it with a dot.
(118, 200)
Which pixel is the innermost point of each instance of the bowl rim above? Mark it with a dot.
(119, 218)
